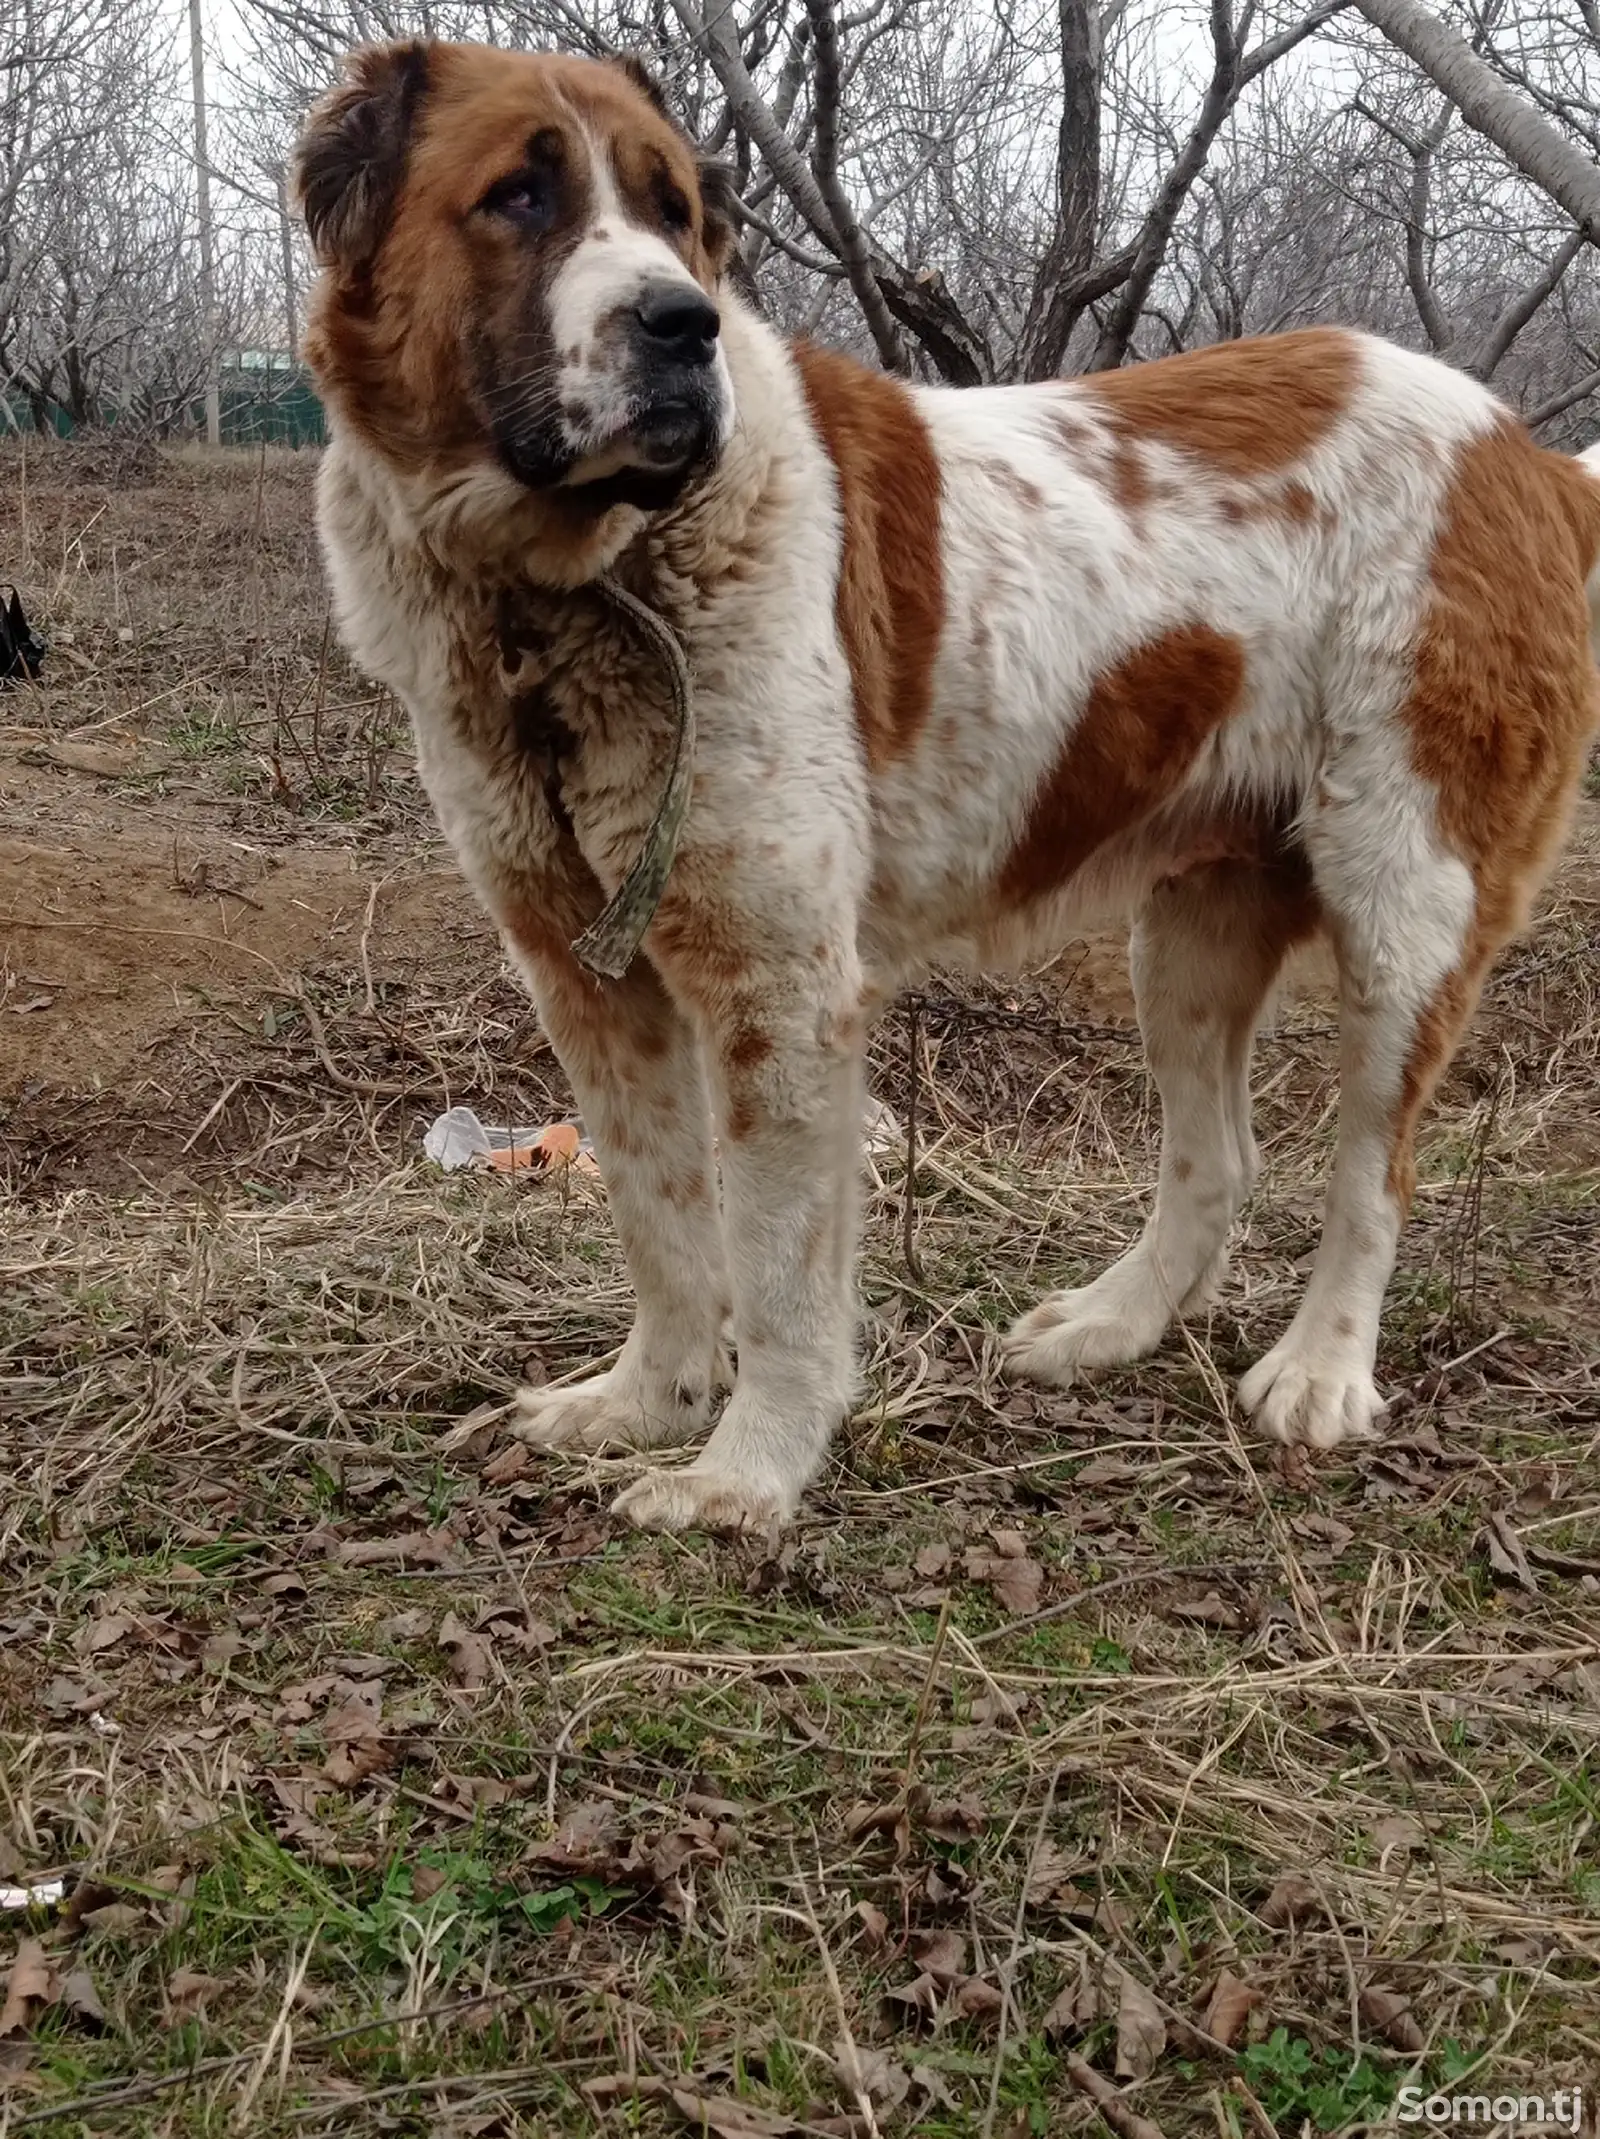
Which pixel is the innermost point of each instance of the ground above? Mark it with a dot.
(1069, 1743)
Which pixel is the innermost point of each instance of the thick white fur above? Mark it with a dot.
(843, 883)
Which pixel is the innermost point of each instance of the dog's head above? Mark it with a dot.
(522, 255)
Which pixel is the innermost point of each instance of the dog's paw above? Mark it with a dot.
(1116, 1319)
(1300, 1395)
(605, 1415)
(702, 1496)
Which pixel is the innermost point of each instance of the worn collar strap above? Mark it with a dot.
(609, 945)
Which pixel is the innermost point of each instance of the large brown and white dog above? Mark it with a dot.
(1282, 636)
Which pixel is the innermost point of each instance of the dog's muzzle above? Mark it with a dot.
(677, 398)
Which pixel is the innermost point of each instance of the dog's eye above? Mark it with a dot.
(528, 199)
(674, 210)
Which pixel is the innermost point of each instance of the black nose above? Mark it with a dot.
(678, 323)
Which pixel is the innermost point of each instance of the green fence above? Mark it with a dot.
(263, 401)
(279, 407)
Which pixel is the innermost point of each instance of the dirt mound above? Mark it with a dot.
(104, 460)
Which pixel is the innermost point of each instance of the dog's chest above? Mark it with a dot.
(547, 726)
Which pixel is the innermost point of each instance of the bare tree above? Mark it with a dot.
(969, 190)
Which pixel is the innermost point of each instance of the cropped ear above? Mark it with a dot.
(719, 201)
(643, 77)
(351, 157)
(718, 194)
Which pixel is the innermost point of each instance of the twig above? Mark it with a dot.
(370, 1004)
(850, 2054)
(913, 1094)
(1209, 1569)
(1008, 1974)
(924, 1699)
(1125, 2122)
(362, 1087)
(1260, 2123)
(141, 2090)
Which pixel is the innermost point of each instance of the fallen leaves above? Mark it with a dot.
(354, 1731)
(588, 1840)
(874, 1933)
(1050, 1876)
(30, 1986)
(1230, 2005)
(295, 1822)
(660, 1862)
(1211, 1610)
(724, 2116)
(188, 1990)
(471, 1660)
(957, 1819)
(943, 1990)
(1507, 1556)
(413, 1548)
(1293, 1900)
(81, 2000)
(1141, 2030)
(1398, 1834)
(1391, 2015)
(1016, 1580)
(35, 1986)
(1123, 2119)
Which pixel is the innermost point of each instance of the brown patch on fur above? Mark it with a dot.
(1145, 722)
(1015, 484)
(1129, 479)
(1294, 505)
(699, 945)
(890, 600)
(1504, 701)
(748, 1048)
(1182, 1169)
(741, 1117)
(1245, 407)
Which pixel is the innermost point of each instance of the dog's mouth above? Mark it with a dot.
(672, 432)
(668, 436)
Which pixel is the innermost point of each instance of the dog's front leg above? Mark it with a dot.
(785, 1067)
(633, 1060)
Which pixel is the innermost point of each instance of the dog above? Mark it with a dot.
(1282, 637)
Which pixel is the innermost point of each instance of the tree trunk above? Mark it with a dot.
(1538, 151)
(1057, 304)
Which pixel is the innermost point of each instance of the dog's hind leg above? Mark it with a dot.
(1206, 949)
(1412, 955)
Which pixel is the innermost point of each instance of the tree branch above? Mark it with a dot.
(1491, 352)
(919, 302)
(1558, 404)
(1059, 297)
(851, 242)
(1538, 151)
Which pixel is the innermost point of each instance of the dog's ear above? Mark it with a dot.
(351, 157)
(719, 201)
(645, 79)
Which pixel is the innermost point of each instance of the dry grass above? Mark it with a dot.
(395, 1790)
